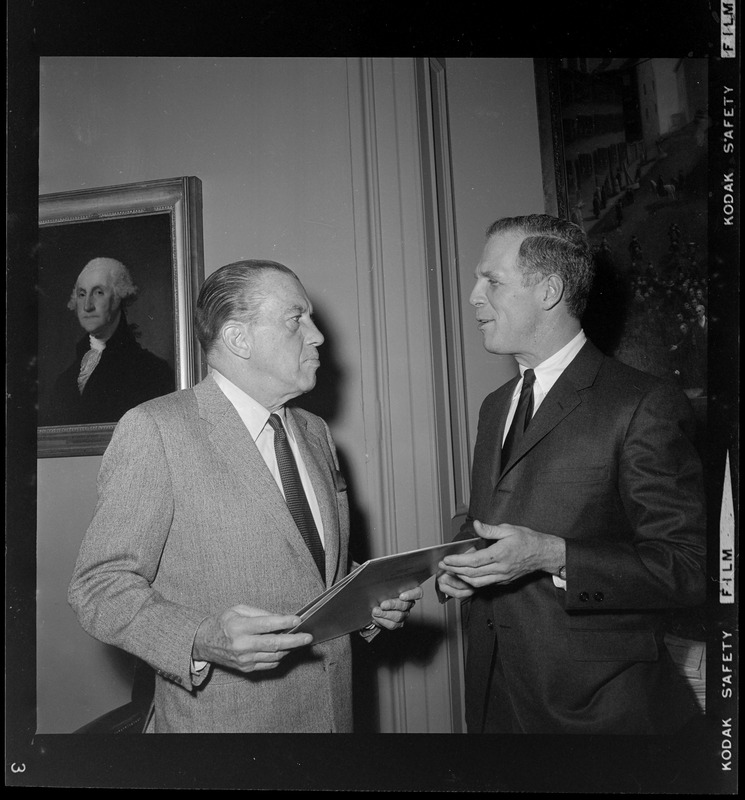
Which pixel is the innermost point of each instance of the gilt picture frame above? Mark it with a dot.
(153, 228)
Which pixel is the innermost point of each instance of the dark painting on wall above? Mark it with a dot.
(118, 268)
(625, 157)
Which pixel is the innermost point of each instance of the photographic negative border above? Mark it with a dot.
(181, 199)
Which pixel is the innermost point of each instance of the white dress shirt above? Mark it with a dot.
(90, 361)
(255, 417)
(546, 375)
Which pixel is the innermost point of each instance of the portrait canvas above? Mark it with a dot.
(83, 240)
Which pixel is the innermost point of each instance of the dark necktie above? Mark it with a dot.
(297, 502)
(523, 413)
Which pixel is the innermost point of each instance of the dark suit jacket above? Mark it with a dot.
(607, 463)
(126, 376)
(191, 522)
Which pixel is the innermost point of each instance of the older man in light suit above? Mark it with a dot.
(193, 561)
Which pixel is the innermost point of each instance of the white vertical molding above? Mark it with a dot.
(372, 316)
(445, 321)
(396, 358)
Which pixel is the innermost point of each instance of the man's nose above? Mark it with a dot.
(88, 303)
(477, 295)
(314, 337)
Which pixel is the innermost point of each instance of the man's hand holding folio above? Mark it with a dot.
(378, 594)
(382, 590)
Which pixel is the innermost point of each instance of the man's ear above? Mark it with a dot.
(553, 292)
(236, 337)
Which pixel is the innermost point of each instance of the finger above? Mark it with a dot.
(412, 594)
(396, 605)
(491, 569)
(254, 644)
(486, 531)
(388, 624)
(477, 558)
(455, 587)
(268, 623)
(450, 581)
(397, 613)
(260, 667)
(389, 621)
(256, 665)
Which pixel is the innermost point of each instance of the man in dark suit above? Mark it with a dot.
(111, 371)
(588, 494)
(195, 561)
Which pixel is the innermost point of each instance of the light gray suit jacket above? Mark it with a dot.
(190, 522)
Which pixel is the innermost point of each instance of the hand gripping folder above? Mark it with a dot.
(347, 606)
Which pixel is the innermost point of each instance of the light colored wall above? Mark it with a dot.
(290, 171)
(496, 173)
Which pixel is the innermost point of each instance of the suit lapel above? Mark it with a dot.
(562, 399)
(233, 442)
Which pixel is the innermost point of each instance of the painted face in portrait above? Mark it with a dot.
(96, 301)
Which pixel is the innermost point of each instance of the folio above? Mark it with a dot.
(347, 606)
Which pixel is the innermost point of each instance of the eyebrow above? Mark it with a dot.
(485, 273)
(300, 309)
(97, 286)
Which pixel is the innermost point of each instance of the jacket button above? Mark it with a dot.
(599, 596)
(490, 625)
(584, 596)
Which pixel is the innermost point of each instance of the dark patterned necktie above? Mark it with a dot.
(295, 496)
(523, 414)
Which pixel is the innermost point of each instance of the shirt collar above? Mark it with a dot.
(253, 414)
(548, 371)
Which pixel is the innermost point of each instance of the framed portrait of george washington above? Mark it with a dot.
(119, 270)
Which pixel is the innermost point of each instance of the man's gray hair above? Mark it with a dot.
(124, 287)
(552, 246)
(235, 291)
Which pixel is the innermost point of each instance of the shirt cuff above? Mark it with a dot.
(558, 582)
